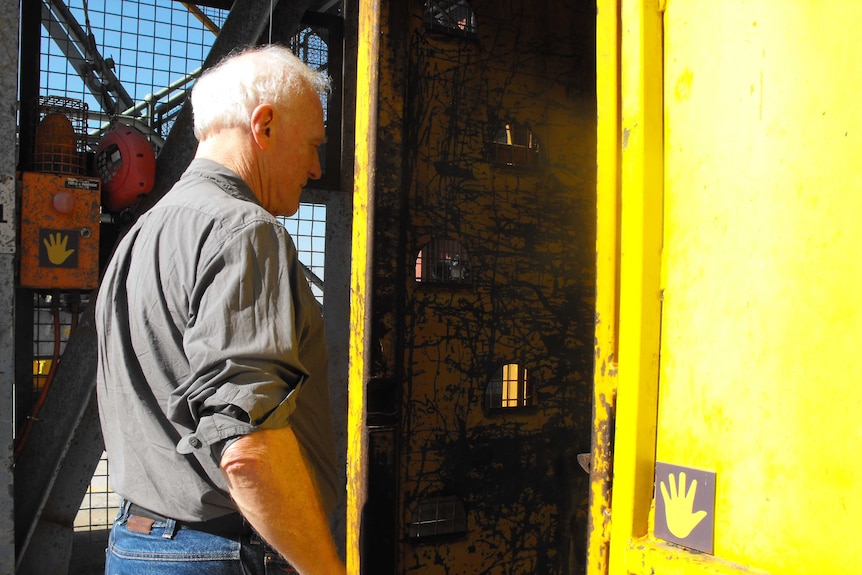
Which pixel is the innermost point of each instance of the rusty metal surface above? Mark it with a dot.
(59, 231)
(601, 474)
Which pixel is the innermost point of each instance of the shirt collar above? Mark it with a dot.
(223, 177)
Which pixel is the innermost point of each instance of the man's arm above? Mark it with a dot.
(272, 484)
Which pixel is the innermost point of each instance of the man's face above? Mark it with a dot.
(294, 159)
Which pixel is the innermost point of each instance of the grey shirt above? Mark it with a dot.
(207, 330)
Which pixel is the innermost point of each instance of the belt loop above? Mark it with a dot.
(123, 513)
(170, 529)
(254, 538)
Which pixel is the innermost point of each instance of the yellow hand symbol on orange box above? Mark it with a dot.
(56, 246)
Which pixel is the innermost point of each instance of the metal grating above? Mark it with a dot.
(100, 505)
(308, 229)
(54, 318)
(131, 50)
(443, 260)
(438, 516)
(451, 16)
(60, 136)
(312, 49)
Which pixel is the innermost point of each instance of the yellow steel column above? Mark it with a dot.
(607, 278)
(640, 267)
(363, 194)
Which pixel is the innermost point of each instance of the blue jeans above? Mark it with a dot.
(171, 549)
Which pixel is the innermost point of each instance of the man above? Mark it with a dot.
(212, 380)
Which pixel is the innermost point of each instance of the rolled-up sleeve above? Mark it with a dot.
(217, 428)
(241, 340)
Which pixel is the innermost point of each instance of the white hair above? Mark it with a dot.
(225, 95)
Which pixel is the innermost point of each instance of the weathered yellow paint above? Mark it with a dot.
(607, 278)
(640, 253)
(650, 556)
(750, 193)
(363, 193)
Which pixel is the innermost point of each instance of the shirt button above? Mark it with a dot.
(195, 442)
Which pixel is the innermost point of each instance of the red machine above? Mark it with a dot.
(126, 164)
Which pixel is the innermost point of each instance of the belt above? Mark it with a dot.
(231, 525)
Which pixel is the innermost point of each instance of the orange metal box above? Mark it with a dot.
(59, 231)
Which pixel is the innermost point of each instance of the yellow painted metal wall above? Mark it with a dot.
(739, 310)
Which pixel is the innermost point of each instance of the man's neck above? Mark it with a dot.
(232, 148)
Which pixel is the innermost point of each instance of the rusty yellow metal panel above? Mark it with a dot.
(363, 193)
(607, 281)
(757, 196)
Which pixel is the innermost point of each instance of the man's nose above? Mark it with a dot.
(316, 171)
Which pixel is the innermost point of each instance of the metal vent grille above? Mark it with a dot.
(451, 16)
(438, 516)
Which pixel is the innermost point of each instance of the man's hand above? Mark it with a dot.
(679, 507)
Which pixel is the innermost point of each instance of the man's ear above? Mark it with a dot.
(263, 124)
